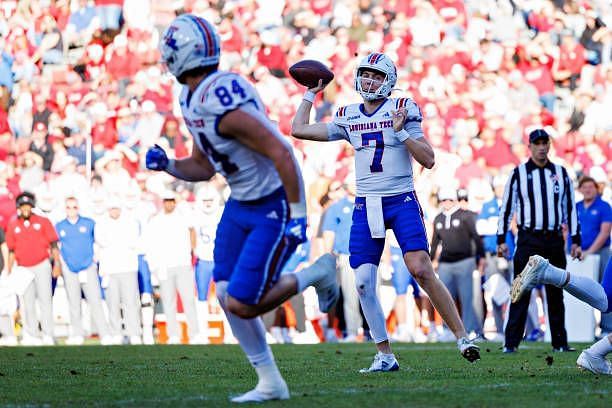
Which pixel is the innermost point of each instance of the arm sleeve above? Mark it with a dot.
(508, 207)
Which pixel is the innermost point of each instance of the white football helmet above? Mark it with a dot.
(380, 63)
(189, 42)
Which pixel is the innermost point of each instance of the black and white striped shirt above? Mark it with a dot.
(543, 199)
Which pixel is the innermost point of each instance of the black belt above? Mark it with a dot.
(542, 233)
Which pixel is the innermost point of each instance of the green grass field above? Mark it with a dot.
(319, 375)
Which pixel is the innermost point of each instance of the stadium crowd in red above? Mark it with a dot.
(483, 73)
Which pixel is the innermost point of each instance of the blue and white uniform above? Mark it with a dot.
(250, 248)
(383, 168)
(205, 246)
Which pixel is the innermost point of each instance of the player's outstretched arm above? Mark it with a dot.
(197, 167)
(301, 128)
(251, 132)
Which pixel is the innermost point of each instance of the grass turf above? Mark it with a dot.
(430, 375)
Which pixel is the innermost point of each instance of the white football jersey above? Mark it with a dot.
(206, 230)
(383, 165)
(249, 174)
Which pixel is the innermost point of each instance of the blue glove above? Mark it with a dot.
(295, 232)
(156, 159)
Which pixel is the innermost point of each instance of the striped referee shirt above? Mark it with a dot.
(543, 199)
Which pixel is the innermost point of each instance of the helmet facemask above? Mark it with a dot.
(378, 63)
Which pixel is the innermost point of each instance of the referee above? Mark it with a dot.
(542, 195)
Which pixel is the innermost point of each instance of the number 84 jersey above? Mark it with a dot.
(249, 174)
(383, 165)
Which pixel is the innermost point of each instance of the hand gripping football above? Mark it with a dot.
(308, 73)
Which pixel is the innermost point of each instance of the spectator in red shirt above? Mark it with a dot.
(31, 239)
(572, 57)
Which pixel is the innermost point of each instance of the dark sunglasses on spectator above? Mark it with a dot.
(72, 207)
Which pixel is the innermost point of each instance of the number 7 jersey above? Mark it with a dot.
(383, 165)
(249, 174)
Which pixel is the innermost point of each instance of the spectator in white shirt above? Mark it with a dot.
(170, 241)
(117, 238)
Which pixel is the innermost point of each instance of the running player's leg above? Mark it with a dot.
(365, 255)
(239, 282)
(539, 271)
(409, 228)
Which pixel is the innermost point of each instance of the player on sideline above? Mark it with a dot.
(265, 217)
(539, 271)
(386, 134)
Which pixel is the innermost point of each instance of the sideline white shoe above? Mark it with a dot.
(529, 278)
(75, 341)
(327, 285)
(8, 341)
(382, 362)
(280, 392)
(593, 363)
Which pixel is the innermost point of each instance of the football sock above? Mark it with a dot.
(554, 276)
(251, 334)
(365, 279)
(602, 347)
(309, 275)
(588, 291)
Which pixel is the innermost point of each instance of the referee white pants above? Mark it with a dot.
(39, 289)
(122, 294)
(352, 316)
(86, 280)
(179, 278)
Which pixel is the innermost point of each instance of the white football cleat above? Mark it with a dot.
(280, 392)
(327, 285)
(529, 278)
(469, 350)
(382, 362)
(594, 363)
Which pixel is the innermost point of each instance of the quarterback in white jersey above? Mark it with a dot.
(264, 219)
(386, 134)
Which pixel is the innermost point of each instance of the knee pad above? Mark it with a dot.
(365, 279)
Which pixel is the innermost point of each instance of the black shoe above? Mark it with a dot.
(563, 349)
(509, 350)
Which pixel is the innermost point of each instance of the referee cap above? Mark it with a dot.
(538, 134)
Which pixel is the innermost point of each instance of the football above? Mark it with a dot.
(308, 73)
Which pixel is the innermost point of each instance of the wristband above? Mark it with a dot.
(170, 168)
(402, 135)
(309, 96)
(297, 210)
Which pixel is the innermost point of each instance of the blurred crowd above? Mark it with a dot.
(83, 95)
